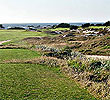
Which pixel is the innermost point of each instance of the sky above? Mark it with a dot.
(54, 11)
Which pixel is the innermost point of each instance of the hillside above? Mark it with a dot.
(97, 46)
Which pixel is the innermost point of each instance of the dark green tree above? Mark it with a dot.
(1, 26)
(86, 25)
(73, 27)
(63, 25)
(106, 23)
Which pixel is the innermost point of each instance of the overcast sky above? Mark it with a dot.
(43, 11)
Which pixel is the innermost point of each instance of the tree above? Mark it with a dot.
(99, 24)
(16, 28)
(73, 27)
(86, 25)
(106, 23)
(92, 24)
(1, 26)
(54, 26)
(63, 25)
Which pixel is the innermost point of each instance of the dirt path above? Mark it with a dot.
(1, 42)
(77, 41)
(98, 57)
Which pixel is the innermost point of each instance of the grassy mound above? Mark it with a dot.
(97, 46)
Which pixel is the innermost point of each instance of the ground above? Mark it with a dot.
(17, 35)
(32, 81)
(20, 54)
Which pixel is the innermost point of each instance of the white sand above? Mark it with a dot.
(1, 42)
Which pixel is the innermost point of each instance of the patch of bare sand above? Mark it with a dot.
(98, 57)
(1, 42)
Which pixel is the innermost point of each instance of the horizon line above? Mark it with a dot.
(50, 22)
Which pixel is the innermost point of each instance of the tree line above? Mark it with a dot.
(67, 25)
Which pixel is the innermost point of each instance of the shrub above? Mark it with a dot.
(95, 65)
(77, 66)
(1, 26)
(106, 47)
(108, 37)
(107, 23)
(63, 25)
(16, 28)
(73, 27)
(85, 25)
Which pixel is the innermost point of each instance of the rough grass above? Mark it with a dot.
(20, 54)
(97, 46)
(37, 82)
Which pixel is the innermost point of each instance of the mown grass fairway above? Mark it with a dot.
(17, 35)
(59, 29)
(37, 82)
(19, 54)
(56, 29)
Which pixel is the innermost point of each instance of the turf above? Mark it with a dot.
(20, 54)
(56, 29)
(37, 82)
(59, 29)
(17, 35)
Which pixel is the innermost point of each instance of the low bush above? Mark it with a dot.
(108, 37)
(106, 47)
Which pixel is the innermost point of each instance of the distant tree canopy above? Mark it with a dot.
(16, 28)
(66, 25)
(30, 26)
(63, 25)
(1, 26)
(86, 25)
(54, 26)
(99, 24)
(73, 27)
(106, 23)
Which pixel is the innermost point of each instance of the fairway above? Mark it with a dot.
(17, 35)
(19, 54)
(37, 82)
